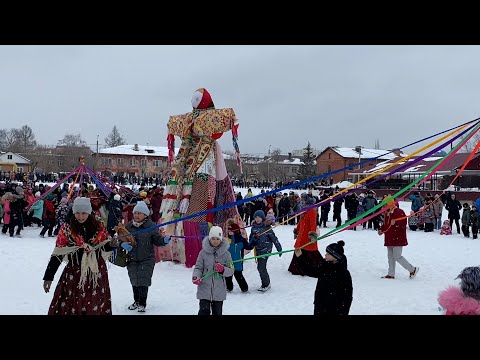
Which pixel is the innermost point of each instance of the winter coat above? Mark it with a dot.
(284, 206)
(413, 220)
(237, 244)
(16, 208)
(428, 215)
(417, 202)
(141, 259)
(455, 302)
(6, 212)
(474, 218)
(437, 208)
(48, 210)
(334, 291)
(351, 204)
(265, 241)
(115, 208)
(156, 204)
(61, 214)
(369, 202)
(466, 216)
(37, 209)
(395, 235)
(307, 223)
(446, 229)
(453, 207)
(213, 288)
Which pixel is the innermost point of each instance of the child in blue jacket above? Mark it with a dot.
(262, 238)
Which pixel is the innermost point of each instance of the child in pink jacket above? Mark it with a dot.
(466, 299)
(6, 212)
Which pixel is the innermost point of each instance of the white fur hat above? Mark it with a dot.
(116, 197)
(216, 231)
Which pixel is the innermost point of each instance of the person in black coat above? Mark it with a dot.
(333, 294)
(453, 207)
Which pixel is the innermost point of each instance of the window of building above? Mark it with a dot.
(60, 162)
(9, 157)
(329, 156)
(329, 169)
(157, 163)
(143, 163)
(51, 162)
(119, 161)
(109, 161)
(133, 162)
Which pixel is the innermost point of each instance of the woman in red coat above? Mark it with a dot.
(307, 225)
(395, 229)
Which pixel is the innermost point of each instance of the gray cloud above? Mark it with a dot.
(284, 96)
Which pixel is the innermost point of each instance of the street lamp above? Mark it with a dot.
(359, 150)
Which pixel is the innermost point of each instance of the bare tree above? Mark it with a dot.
(11, 140)
(25, 138)
(469, 146)
(114, 138)
(3, 140)
(71, 140)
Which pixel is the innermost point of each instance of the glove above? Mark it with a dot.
(196, 281)
(219, 267)
(166, 239)
(127, 246)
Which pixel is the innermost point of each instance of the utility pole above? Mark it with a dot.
(96, 154)
(268, 164)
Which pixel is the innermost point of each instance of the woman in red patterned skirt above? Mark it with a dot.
(83, 287)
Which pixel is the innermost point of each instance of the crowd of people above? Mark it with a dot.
(85, 239)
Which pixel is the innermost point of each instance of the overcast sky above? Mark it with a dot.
(284, 96)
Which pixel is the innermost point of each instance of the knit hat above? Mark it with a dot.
(64, 200)
(270, 217)
(116, 197)
(19, 190)
(470, 285)
(259, 213)
(336, 249)
(142, 207)
(82, 205)
(37, 194)
(202, 100)
(234, 227)
(216, 231)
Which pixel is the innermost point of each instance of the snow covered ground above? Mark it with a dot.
(440, 259)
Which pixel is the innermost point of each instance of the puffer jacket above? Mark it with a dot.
(213, 287)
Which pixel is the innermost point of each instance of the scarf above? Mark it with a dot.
(89, 262)
(138, 224)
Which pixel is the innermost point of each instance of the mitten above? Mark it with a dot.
(166, 239)
(219, 267)
(127, 246)
(196, 281)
